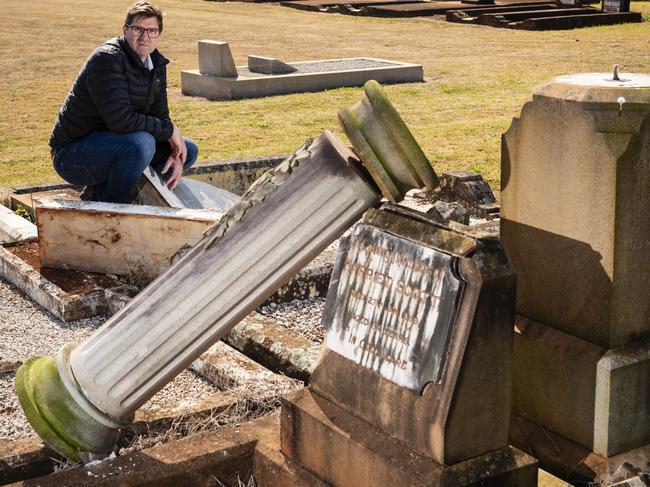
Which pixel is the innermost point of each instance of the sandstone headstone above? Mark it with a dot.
(615, 5)
(414, 381)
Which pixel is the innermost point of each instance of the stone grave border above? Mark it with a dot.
(308, 283)
(28, 458)
(195, 83)
(456, 11)
(64, 306)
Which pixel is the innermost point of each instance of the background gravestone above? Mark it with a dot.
(414, 385)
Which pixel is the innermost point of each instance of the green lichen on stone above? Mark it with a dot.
(401, 135)
(385, 145)
(55, 415)
(25, 392)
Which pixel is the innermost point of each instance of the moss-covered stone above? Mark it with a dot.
(55, 415)
(385, 145)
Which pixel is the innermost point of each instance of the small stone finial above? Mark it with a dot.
(615, 76)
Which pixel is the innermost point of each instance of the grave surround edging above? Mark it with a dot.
(222, 365)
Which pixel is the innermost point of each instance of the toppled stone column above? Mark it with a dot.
(283, 221)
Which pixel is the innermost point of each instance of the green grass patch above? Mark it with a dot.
(477, 78)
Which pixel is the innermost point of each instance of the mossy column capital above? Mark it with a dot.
(385, 144)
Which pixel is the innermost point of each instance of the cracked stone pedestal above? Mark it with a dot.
(574, 221)
(413, 387)
(288, 216)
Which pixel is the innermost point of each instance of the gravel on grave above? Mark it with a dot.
(303, 317)
(325, 66)
(27, 330)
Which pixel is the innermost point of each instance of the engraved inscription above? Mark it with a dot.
(395, 304)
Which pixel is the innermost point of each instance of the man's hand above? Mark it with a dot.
(177, 159)
(177, 171)
(179, 149)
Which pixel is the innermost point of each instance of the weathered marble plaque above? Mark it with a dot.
(392, 305)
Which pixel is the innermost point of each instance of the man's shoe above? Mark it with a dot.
(89, 193)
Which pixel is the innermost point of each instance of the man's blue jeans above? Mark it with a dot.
(113, 163)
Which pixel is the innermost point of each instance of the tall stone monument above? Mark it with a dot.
(413, 387)
(575, 222)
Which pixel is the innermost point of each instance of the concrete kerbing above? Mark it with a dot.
(25, 459)
(193, 83)
(279, 349)
(227, 368)
(310, 282)
(64, 306)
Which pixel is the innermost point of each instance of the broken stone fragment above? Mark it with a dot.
(471, 191)
(385, 145)
(268, 65)
(449, 211)
(14, 228)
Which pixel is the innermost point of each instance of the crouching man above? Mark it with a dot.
(115, 121)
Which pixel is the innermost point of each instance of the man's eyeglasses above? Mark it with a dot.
(138, 31)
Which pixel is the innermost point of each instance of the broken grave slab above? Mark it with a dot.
(268, 65)
(129, 240)
(188, 193)
(14, 228)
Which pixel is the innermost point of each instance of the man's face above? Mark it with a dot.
(142, 44)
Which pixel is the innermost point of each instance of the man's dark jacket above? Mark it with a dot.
(115, 91)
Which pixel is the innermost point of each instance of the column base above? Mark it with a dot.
(595, 397)
(62, 417)
(575, 463)
(345, 451)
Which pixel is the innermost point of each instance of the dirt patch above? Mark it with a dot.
(72, 282)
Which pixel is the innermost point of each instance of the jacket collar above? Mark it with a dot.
(157, 59)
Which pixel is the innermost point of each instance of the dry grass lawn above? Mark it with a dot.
(476, 77)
